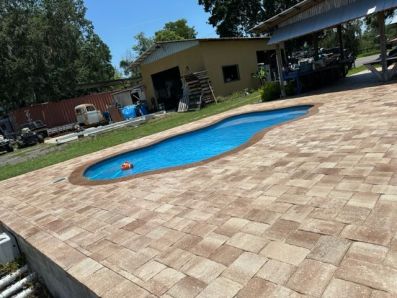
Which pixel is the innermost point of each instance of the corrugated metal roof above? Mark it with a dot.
(267, 25)
(166, 49)
(163, 49)
(310, 16)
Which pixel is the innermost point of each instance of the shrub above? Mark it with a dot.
(290, 88)
(270, 91)
(261, 75)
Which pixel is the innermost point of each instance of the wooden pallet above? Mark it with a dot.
(198, 91)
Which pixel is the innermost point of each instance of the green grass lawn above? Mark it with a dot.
(368, 53)
(123, 135)
(356, 70)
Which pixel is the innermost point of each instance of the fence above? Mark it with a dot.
(59, 113)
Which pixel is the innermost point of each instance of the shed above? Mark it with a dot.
(230, 64)
(310, 16)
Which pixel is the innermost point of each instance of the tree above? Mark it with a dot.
(47, 47)
(118, 74)
(351, 37)
(369, 42)
(233, 18)
(167, 35)
(93, 62)
(142, 43)
(177, 30)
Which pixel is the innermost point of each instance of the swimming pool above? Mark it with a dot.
(195, 146)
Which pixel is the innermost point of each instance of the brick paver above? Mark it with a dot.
(310, 209)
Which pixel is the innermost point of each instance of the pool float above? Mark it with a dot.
(126, 166)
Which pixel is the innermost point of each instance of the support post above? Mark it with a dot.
(315, 45)
(340, 39)
(382, 41)
(280, 69)
(285, 56)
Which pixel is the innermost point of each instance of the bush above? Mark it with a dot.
(290, 88)
(270, 91)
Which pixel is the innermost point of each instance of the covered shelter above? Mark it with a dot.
(311, 16)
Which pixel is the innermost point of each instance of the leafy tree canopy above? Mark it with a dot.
(167, 35)
(177, 30)
(234, 18)
(142, 43)
(47, 48)
(351, 37)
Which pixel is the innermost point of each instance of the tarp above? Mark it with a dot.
(330, 19)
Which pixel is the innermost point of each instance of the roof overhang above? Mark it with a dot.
(311, 16)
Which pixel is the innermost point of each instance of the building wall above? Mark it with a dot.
(224, 53)
(191, 58)
(211, 56)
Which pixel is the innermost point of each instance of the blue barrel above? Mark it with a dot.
(143, 109)
(129, 112)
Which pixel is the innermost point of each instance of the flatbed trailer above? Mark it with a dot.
(61, 129)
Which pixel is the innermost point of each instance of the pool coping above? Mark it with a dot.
(77, 176)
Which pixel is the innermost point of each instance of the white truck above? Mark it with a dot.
(88, 115)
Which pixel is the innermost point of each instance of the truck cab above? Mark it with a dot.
(88, 115)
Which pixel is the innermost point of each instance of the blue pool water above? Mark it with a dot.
(195, 146)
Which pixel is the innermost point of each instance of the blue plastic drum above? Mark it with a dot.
(143, 109)
(129, 112)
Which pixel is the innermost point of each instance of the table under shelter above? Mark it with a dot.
(312, 16)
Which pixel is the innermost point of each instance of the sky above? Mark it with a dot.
(118, 21)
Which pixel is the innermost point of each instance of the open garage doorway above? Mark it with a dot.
(168, 87)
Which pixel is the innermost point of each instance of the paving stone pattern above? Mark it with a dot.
(308, 210)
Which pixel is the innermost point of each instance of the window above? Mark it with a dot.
(230, 73)
(90, 108)
(261, 57)
(267, 57)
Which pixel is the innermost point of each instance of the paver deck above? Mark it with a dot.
(310, 209)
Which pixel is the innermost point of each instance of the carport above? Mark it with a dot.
(311, 16)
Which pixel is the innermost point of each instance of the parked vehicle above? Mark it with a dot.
(38, 127)
(6, 128)
(28, 138)
(88, 115)
(5, 144)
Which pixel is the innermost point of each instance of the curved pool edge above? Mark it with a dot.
(77, 176)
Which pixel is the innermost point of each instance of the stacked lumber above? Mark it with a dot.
(206, 88)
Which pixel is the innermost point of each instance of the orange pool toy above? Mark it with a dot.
(126, 166)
